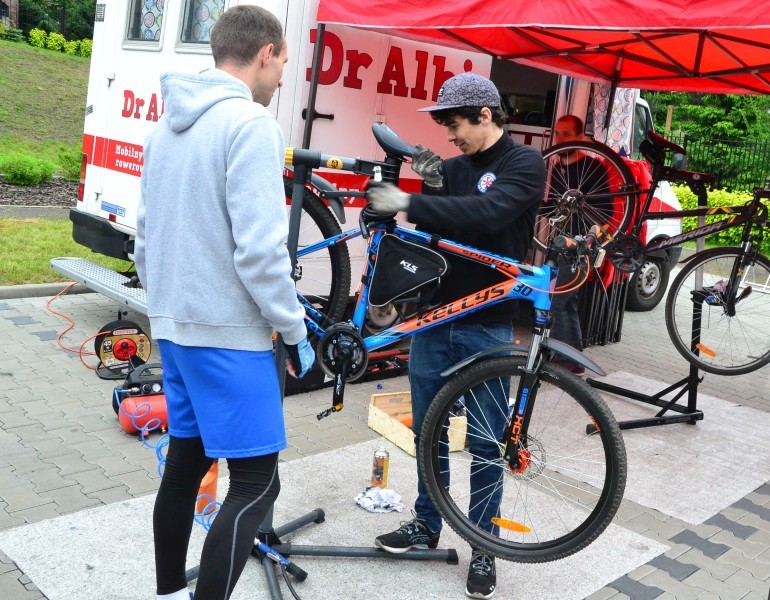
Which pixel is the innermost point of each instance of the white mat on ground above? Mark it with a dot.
(106, 553)
(691, 472)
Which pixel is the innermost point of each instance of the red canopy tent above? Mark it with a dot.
(673, 45)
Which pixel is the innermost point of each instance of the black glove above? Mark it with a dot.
(429, 166)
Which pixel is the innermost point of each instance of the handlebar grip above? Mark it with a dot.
(594, 234)
(298, 573)
(561, 243)
(314, 159)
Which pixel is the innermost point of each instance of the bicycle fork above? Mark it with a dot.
(514, 438)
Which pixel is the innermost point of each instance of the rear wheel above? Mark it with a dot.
(734, 328)
(325, 273)
(570, 482)
(576, 198)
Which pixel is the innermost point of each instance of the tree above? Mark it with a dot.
(714, 116)
(72, 18)
(725, 135)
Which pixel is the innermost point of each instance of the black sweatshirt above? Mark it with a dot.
(489, 201)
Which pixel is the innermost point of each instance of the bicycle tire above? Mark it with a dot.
(729, 345)
(325, 279)
(553, 496)
(563, 210)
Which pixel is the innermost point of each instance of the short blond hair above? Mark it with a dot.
(242, 31)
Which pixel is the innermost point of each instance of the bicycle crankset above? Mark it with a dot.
(626, 253)
(341, 343)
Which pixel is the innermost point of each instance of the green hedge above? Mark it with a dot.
(22, 169)
(58, 43)
(728, 237)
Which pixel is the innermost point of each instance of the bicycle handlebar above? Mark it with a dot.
(314, 159)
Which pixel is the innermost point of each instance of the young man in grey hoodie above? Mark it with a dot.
(210, 251)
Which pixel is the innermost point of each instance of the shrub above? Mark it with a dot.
(69, 159)
(15, 35)
(55, 42)
(85, 48)
(728, 237)
(71, 47)
(23, 169)
(37, 38)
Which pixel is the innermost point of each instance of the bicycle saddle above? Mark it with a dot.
(390, 142)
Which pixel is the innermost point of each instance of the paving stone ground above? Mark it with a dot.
(62, 451)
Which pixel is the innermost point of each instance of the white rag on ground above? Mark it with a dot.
(379, 500)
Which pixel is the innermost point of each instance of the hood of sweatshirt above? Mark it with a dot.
(187, 96)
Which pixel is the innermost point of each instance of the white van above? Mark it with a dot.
(365, 77)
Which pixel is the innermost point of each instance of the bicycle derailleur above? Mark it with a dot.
(343, 356)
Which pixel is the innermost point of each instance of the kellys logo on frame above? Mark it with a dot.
(485, 182)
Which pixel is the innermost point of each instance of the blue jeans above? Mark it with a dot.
(565, 309)
(432, 352)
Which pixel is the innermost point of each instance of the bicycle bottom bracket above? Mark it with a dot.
(342, 342)
(626, 253)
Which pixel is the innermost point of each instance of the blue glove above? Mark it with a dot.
(301, 358)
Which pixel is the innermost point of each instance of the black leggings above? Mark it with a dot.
(254, 486)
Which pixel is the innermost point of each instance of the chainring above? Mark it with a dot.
(341, 342)
(626, 253)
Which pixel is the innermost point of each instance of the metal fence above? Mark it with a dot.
(737, 165)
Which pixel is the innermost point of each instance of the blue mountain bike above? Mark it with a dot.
(558, 462)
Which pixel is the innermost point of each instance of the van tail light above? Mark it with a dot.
(82, 184)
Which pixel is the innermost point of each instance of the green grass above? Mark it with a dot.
(42, 101)
(28, 246)
(42, 109)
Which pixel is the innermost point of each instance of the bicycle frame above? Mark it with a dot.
(522, 282)
(735, 216)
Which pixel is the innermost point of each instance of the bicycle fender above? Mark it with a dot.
(322, 185)
(572, 354)
(501, 349)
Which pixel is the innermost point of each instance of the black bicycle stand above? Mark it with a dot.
(686, 414)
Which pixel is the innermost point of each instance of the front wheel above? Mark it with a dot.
(734, 328)
(569, 484)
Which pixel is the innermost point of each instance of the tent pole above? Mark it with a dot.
(318, 57)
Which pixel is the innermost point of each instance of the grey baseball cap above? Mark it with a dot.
(466, 89)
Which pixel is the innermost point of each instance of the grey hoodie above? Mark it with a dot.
(212, 225)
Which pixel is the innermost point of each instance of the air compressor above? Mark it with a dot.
(139, 402)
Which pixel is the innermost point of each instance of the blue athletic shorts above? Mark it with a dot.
(230, 398)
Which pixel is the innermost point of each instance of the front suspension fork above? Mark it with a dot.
(515, 436)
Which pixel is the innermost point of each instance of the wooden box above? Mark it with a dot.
(390, 415)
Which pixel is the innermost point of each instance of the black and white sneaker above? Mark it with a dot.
(482, 577)
(411, 535)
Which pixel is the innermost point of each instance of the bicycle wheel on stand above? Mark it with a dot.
(587, 184)
(734, 331)
(570, 483)
(325, 274)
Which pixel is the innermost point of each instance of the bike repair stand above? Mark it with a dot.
(687, 414)
(271, 536)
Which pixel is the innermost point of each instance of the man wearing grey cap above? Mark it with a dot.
(486, 198)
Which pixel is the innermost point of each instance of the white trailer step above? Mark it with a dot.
(102, 280)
